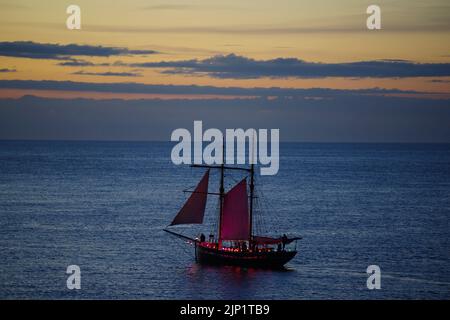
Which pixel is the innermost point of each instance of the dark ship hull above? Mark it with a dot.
(264, 259)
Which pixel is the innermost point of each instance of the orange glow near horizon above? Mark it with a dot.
(320, 31)
(66, 94)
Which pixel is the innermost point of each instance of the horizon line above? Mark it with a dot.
(168, 141)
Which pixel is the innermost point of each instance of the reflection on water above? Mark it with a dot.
(225, 279)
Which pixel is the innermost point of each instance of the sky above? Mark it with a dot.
(300, 59)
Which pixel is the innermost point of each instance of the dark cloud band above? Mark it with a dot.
(33, 50)
(108, 74)
(7, 70)
(238, 67)
(130, 87)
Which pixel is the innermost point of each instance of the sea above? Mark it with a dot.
(102, 206)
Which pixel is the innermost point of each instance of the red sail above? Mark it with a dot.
(194, 208)
(235, 217)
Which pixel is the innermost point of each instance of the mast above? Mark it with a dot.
(252, 187)
(221, 193)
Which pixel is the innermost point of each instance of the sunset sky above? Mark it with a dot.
(241, 44)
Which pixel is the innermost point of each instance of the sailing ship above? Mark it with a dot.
(235, 244)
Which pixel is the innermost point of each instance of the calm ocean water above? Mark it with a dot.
(103, 205)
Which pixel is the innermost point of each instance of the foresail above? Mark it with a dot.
(194, 209)
(235, 217)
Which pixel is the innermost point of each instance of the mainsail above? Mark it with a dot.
(194, 208)
(235, 217)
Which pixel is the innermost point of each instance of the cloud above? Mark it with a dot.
(439, 81)
(108, 74)
(239, 67)
(84, 63)
(7, 70)
(76, 63)
(34, 50)
(130, 87)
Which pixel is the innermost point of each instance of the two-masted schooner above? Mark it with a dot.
(235, 244)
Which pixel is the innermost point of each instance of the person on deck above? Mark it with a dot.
(202, 237)
(284, 240)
